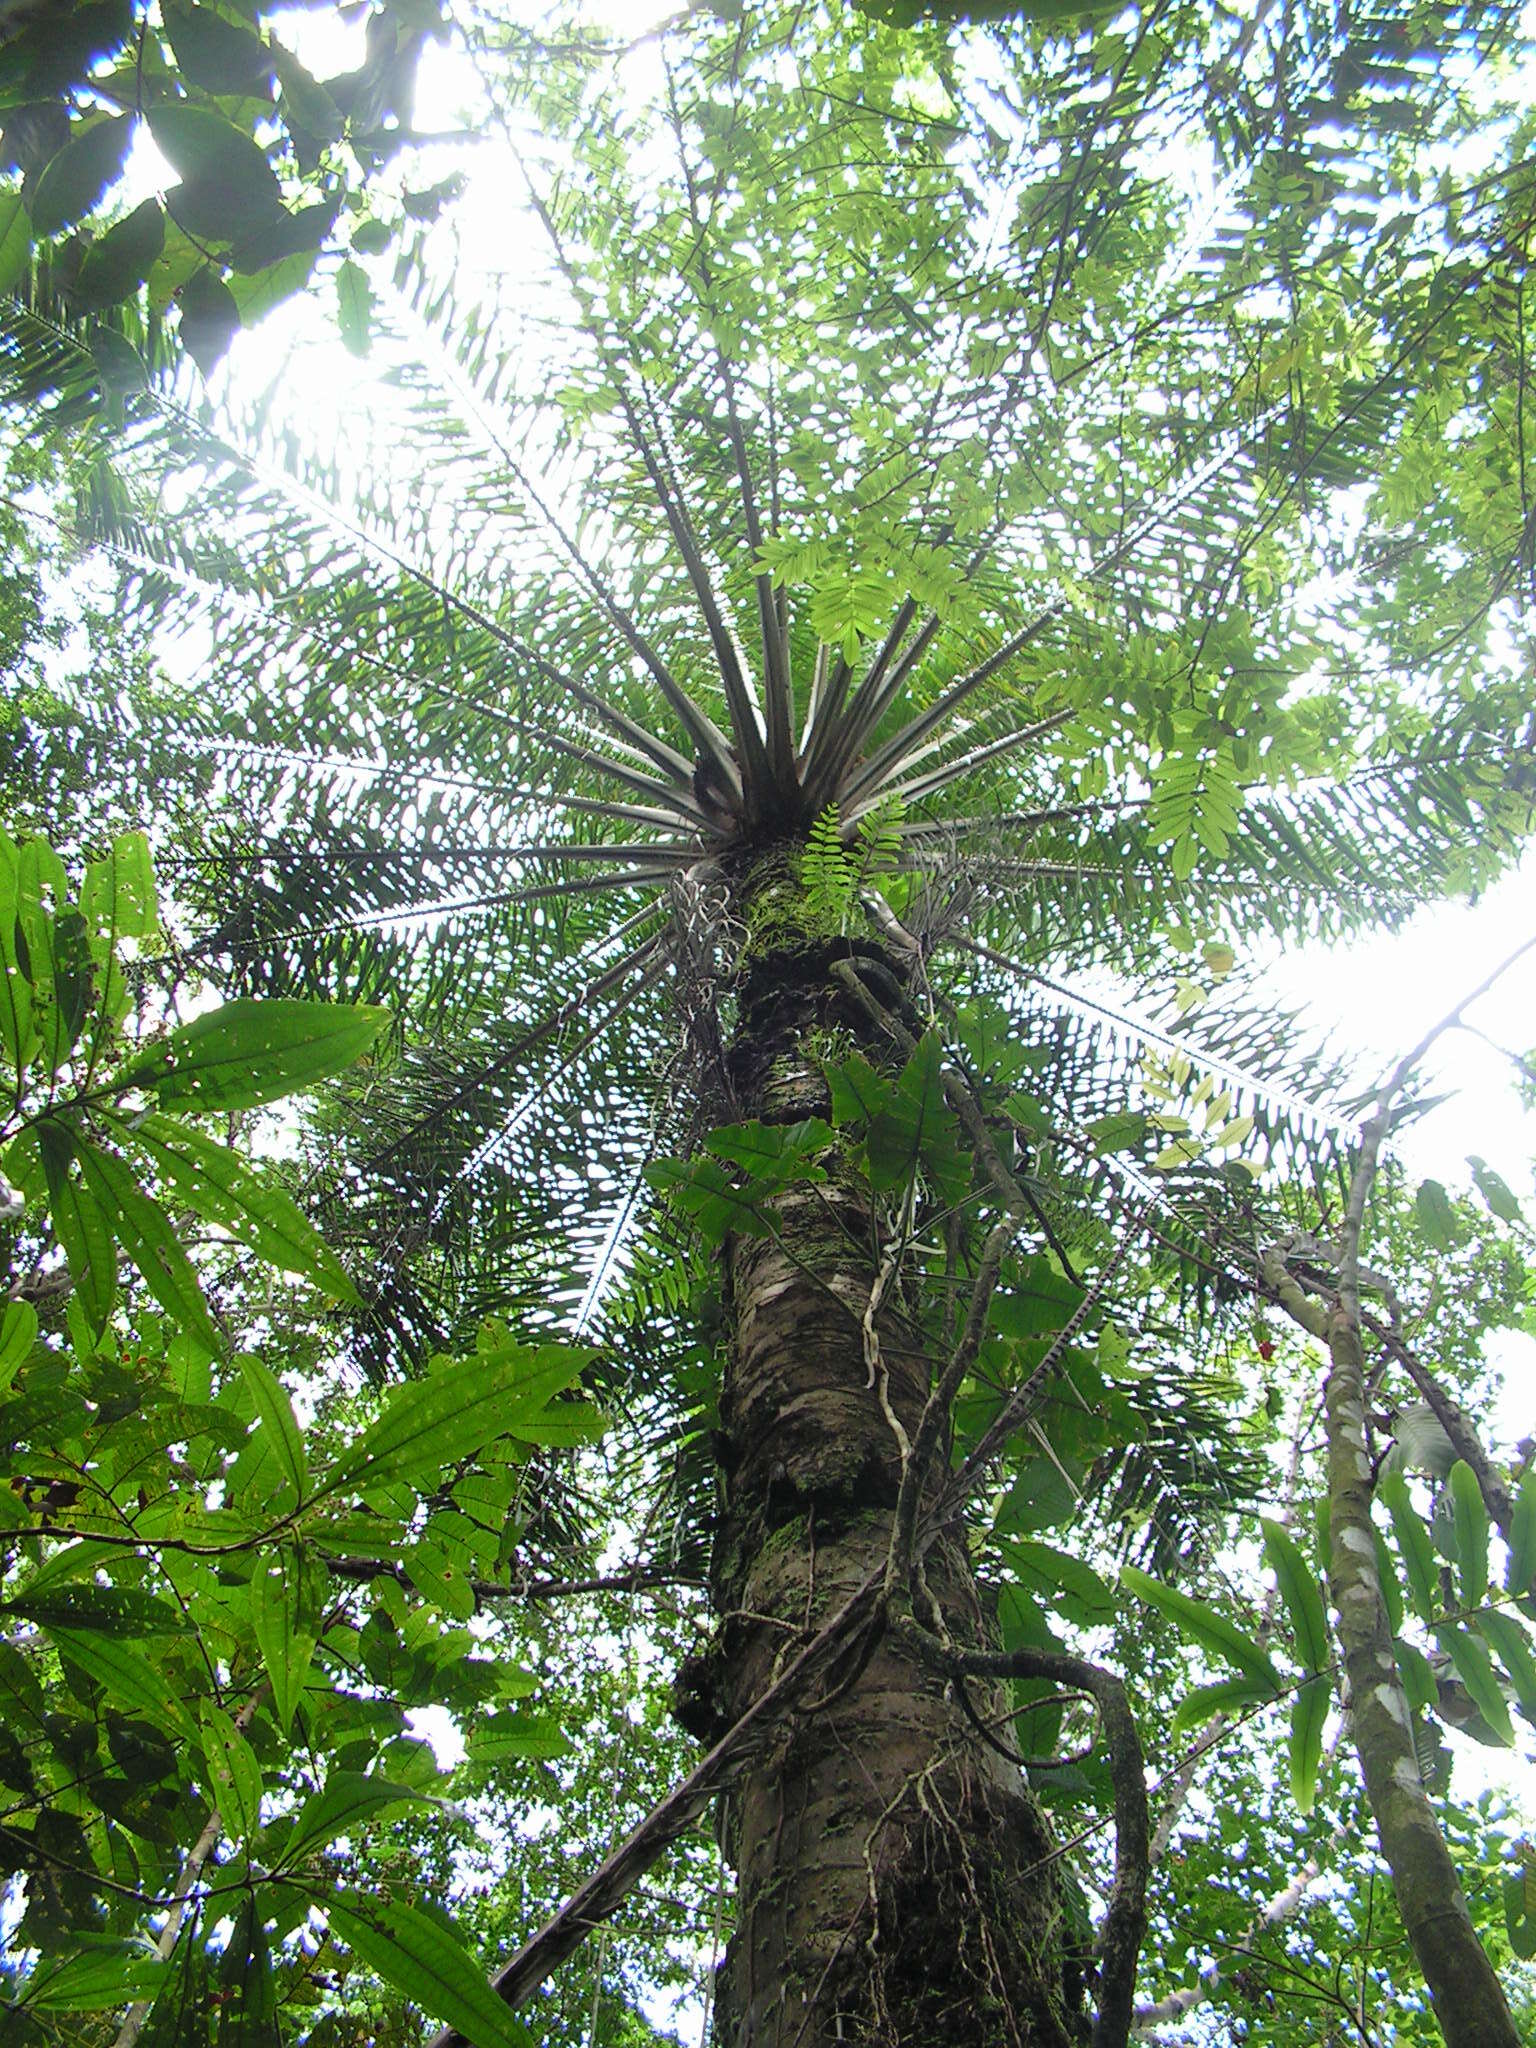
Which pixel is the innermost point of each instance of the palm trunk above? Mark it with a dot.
(894, 1881)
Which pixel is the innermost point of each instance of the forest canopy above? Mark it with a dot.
(688, 1351)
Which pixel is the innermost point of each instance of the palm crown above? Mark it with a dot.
(879, 450)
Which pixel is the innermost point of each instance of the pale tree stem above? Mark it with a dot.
(1178, 2004)
(1468, 1999)
(137, 2013)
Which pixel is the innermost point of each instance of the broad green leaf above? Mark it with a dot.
(1474, 1667)
(127, 1677)
(1123, 1132)
(247, 1987)
(439, 1580)
(1470, 1521)
(254, 1051)
(1211, 1630)
(347, 1799)
(178, 262)
(284, 1613)
(15, 239)
(234, 1775)
(1495, 1191)
(83, 169)
(18, 1040)
(41, 897)
(1309, 1711)
(119, 261)
(95, 1980)
(1386, 1574)
(1417, 1675)
(1520, 1903)
(18, 1333)
(145, 1232)
(219, 55)
(1074, 1586)
(1522, 1536)
(1037, 1301)
(1434, 1215)
(117, 900)
(417, 1956)
(256, 295)
(354, 307)
(457, 1410)
(305, 102)
(73, 1562)
(21, 1697)
(210, 319)
(707, 1191)
(282, 1436)
(121, 369)
(1413, 1542)
(1042, 1496)
(1182, 1152)
(563, 1425)
(917, 1127)
(859, 1093)
(1302, 1596)
(123, 1611)
(517, 1734)
(1226, 1696)
(1512, 1646)
(221, 1187)
(227, 186)
(81, 1226)
(779, 1153)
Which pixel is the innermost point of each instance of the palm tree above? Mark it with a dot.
(887, 553)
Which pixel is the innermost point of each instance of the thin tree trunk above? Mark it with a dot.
(894, 1881)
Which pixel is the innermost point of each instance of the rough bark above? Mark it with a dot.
(894, 1876)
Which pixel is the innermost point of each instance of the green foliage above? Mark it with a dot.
(1210, 1629)
(188, 1685)
(270, 163)
(420, 1957)
(79, 1133)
